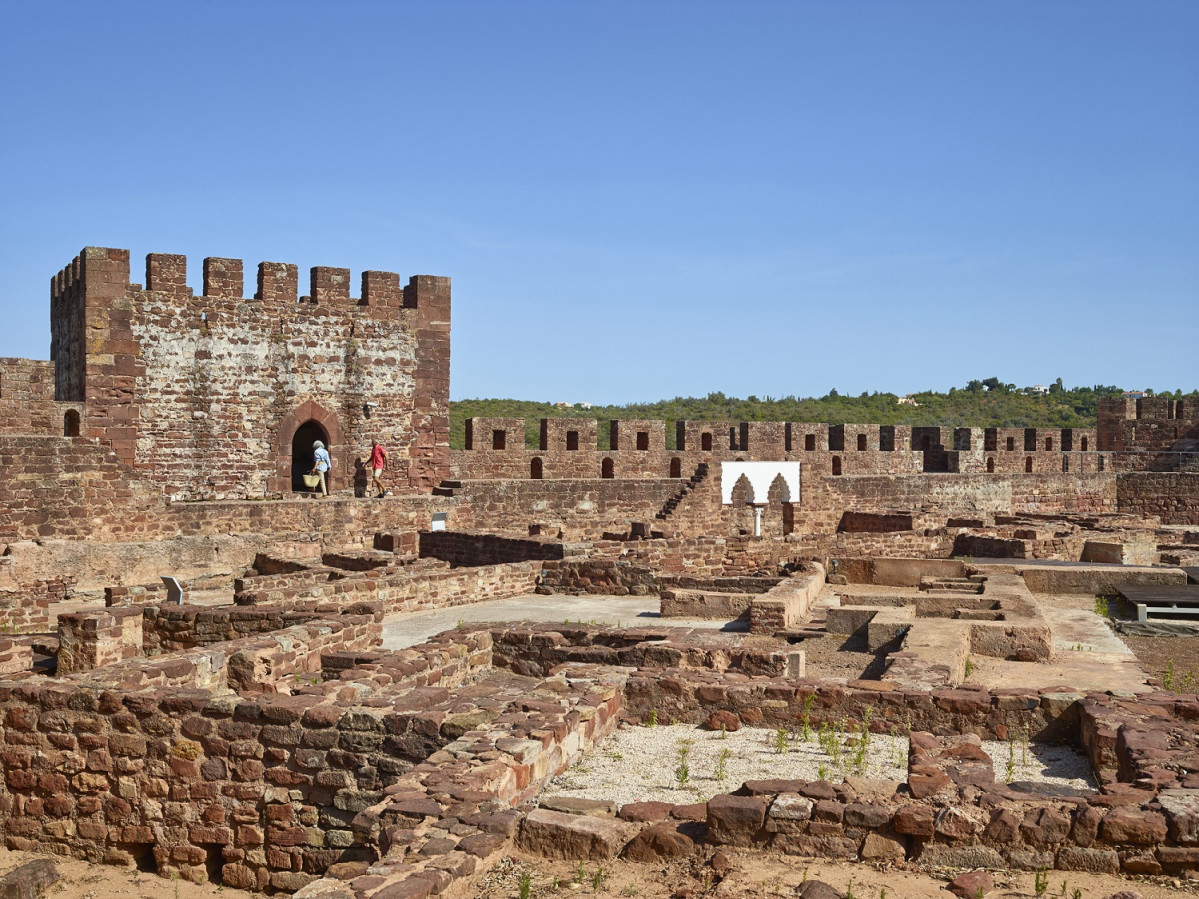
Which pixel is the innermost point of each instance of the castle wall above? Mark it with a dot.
(825, 499)
(823, 449)
(1150, 434)
(202, 394)
(27, 404)
(1171, 496)
(580, 510)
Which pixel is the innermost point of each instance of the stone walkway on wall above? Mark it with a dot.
(1087, 655)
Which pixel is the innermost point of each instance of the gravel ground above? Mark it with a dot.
(639, 764)
(1062, 766)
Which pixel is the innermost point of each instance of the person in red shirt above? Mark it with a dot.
(378, 463)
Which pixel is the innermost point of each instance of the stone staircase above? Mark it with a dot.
(447, 488)
(701, 472)
(950, 585)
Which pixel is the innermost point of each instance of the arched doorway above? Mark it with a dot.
(836, 464)
(301, 454)
(535, 469)
(676, 467)
(70, 423)
(990, 465)
(607, 468)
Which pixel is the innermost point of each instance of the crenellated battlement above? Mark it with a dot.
(571, 448)
(1155, 433)
(1148, 408)
(224, 279)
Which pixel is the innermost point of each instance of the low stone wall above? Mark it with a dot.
(466, 548)
(954, 814)
(723, 598)
(107, 649)
(88, 640)
(140, 594)
(680, 603)
(362, 560)
(536, 650)
(260, 793)
(1096, 580)
(599, 576)
(25, 608)
(16, 656)
(406, 589)
(786, 606)
(167, 629)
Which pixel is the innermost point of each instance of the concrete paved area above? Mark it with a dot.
(629, 611)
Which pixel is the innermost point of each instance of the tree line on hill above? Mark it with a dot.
(980, 404)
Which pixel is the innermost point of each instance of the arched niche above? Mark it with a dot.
(315, 419)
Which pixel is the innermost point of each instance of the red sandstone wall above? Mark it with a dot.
(203, 393)
(61, 487)
(1153, 433)
(824, 499)
(852, 449)
(581, 510)
(1171, 496)
(27, 404)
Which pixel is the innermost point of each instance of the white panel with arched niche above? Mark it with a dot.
(760, 476)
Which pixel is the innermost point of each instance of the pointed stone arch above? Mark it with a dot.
(308, 411)
(780, 491)
(743, 491)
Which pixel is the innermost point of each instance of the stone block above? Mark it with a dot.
(735, 820)
(573, 837)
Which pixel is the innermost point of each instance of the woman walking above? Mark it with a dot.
(321, 465)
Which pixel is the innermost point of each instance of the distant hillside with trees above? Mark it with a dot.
(980, 404)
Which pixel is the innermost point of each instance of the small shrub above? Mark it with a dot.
(525, 885)
(652, 719)
(1041, 882)
(1168, 677)
(1101, 607)
(721, 771)
(682, 773)
(780, 740)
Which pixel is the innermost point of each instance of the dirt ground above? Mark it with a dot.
(83, 880)
(1172, 660)
(834, 655)
(760, 874)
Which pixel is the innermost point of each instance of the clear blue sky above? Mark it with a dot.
(645, 199)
